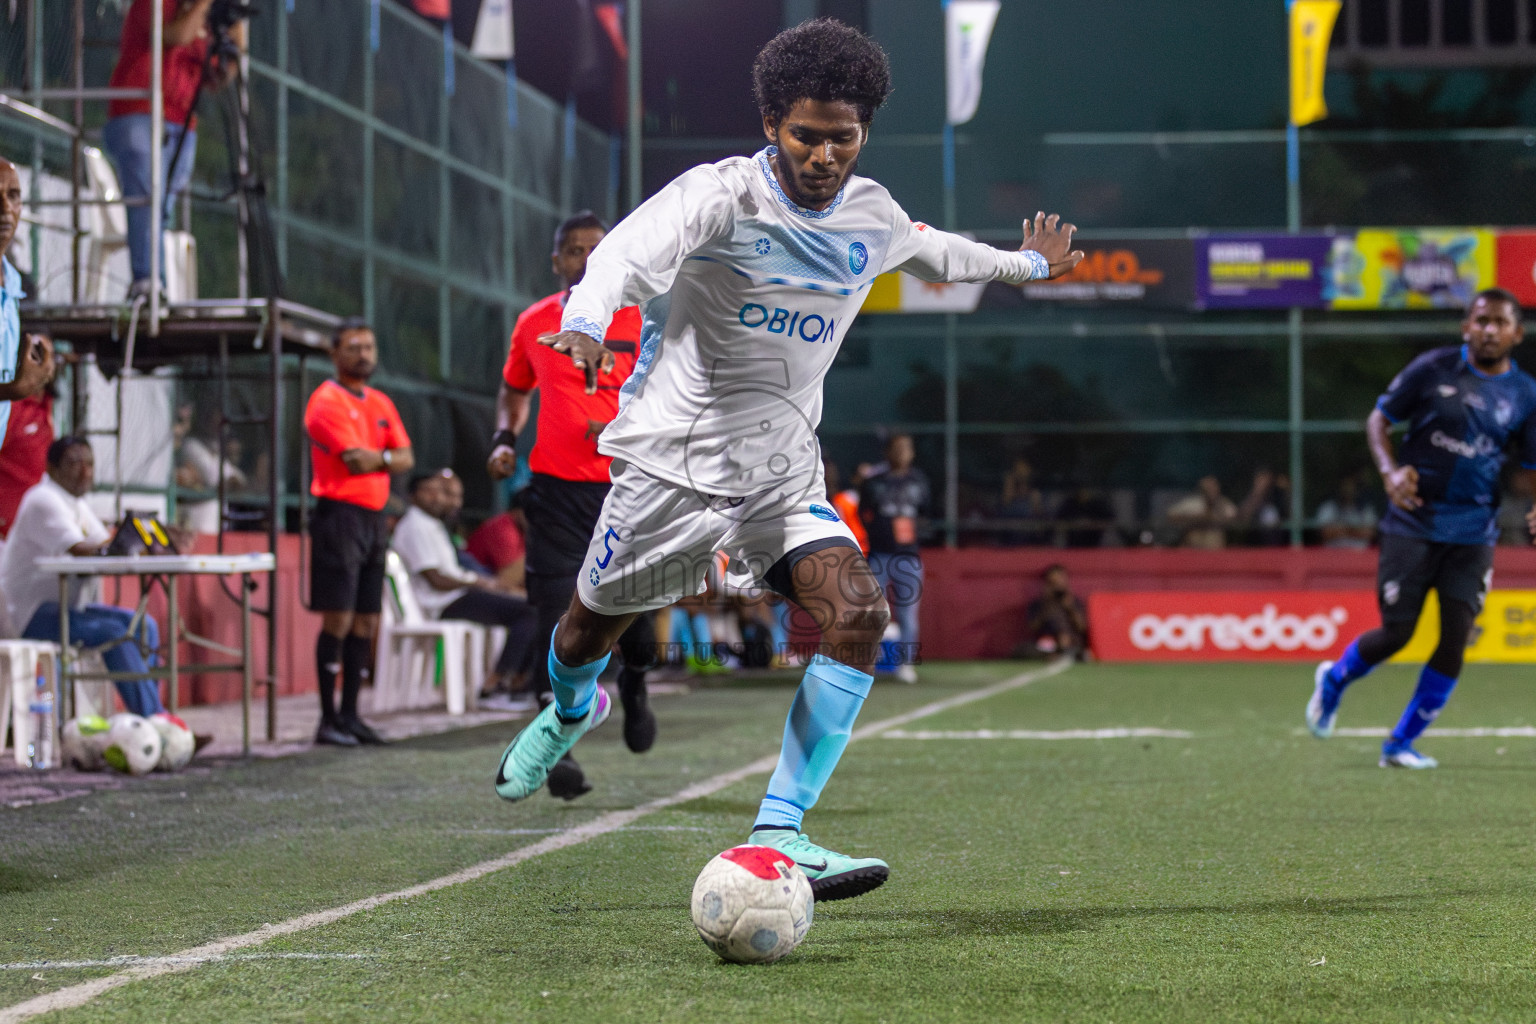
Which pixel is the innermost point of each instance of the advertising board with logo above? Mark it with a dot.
(1505, 632)
(1261, 271)
(1517, 265)
(1135, 272)
(1249, 625)
(1406, 268)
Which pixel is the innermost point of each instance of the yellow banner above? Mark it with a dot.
(1311, 23)
(1505, 633)
(1411, 268)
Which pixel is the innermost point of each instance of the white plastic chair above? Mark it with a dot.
(105, 225)
(19, 663)
(412, 647)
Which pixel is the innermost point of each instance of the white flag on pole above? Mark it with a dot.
(493, 31)
(967, 30)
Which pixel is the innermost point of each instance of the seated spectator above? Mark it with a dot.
(1267, 509)
(1348, 520)
(1085, 516)
(53, 520)
(1202, 518)
(498, 545)
(198, 468)
(1055, 623)
(445, 590)
(27, 437)
(1022, 500)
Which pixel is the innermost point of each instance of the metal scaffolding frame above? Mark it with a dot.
(271, 327)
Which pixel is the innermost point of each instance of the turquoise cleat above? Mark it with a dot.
(528, 759)
(833, 876)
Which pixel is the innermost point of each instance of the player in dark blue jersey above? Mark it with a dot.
(1461, 406)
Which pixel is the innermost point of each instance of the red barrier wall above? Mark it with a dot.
(974, 598)
(209, 612)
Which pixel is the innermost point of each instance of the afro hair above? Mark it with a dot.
(822, 60)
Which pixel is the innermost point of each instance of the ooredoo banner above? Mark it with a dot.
(1247, 625)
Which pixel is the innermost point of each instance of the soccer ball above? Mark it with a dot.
(176, 743)
(752, 905)
(83, 741)
(133, 745)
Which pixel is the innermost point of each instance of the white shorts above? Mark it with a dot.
(655, 541)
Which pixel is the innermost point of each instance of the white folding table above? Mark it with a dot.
(164, 570)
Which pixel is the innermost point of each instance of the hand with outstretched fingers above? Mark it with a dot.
(1053, 240)
(586, 355)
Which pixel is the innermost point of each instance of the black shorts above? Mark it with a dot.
(561, 517)
(1410, 566)
(347, 544)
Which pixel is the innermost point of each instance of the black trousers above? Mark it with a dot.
(516, 615)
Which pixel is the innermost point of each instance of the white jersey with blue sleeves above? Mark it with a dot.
(746, 298)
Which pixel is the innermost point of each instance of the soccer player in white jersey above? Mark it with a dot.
(748, 273)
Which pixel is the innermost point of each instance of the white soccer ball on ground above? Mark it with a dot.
(83, 741)
(176, 742)
(133, 745)
(752, 904)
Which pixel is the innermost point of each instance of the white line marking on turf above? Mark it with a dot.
(128, 960)
(1527, 731)
(550, 831)
(1032, 734)
(78, 995)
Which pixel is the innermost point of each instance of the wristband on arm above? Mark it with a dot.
(503, 437)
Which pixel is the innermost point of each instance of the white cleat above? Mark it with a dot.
(906, 673)
(1320, 725)
(1406, 757)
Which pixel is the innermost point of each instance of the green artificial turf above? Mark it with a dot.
(1248, 872)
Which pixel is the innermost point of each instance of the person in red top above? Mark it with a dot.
(127, 135)
(570, 477)
(27, 438)
(356, 443)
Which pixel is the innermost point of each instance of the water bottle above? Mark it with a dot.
(40, 753)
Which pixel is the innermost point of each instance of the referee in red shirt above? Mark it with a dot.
(357, 442)
(570, 477)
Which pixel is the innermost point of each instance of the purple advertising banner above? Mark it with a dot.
(1261, 271)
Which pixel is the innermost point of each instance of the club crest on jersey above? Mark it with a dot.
(858, 257)
(762, 245)
(1503, 412)
(1447, 390)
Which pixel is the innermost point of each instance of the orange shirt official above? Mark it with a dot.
(569, 418)
(337, 420)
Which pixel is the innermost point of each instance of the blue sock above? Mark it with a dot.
(682, 634)
(778, 628)
(574, 687)
(819, 725)
(703, 643)
(1433, 691)
(1347, 669)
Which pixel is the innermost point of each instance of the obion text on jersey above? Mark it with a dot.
(810, 327)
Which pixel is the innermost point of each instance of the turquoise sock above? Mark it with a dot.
(819, 726)
(574, 687)
(703, 643)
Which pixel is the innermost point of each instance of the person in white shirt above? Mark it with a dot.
(444, 589)
(748, 273)
(54, 520)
